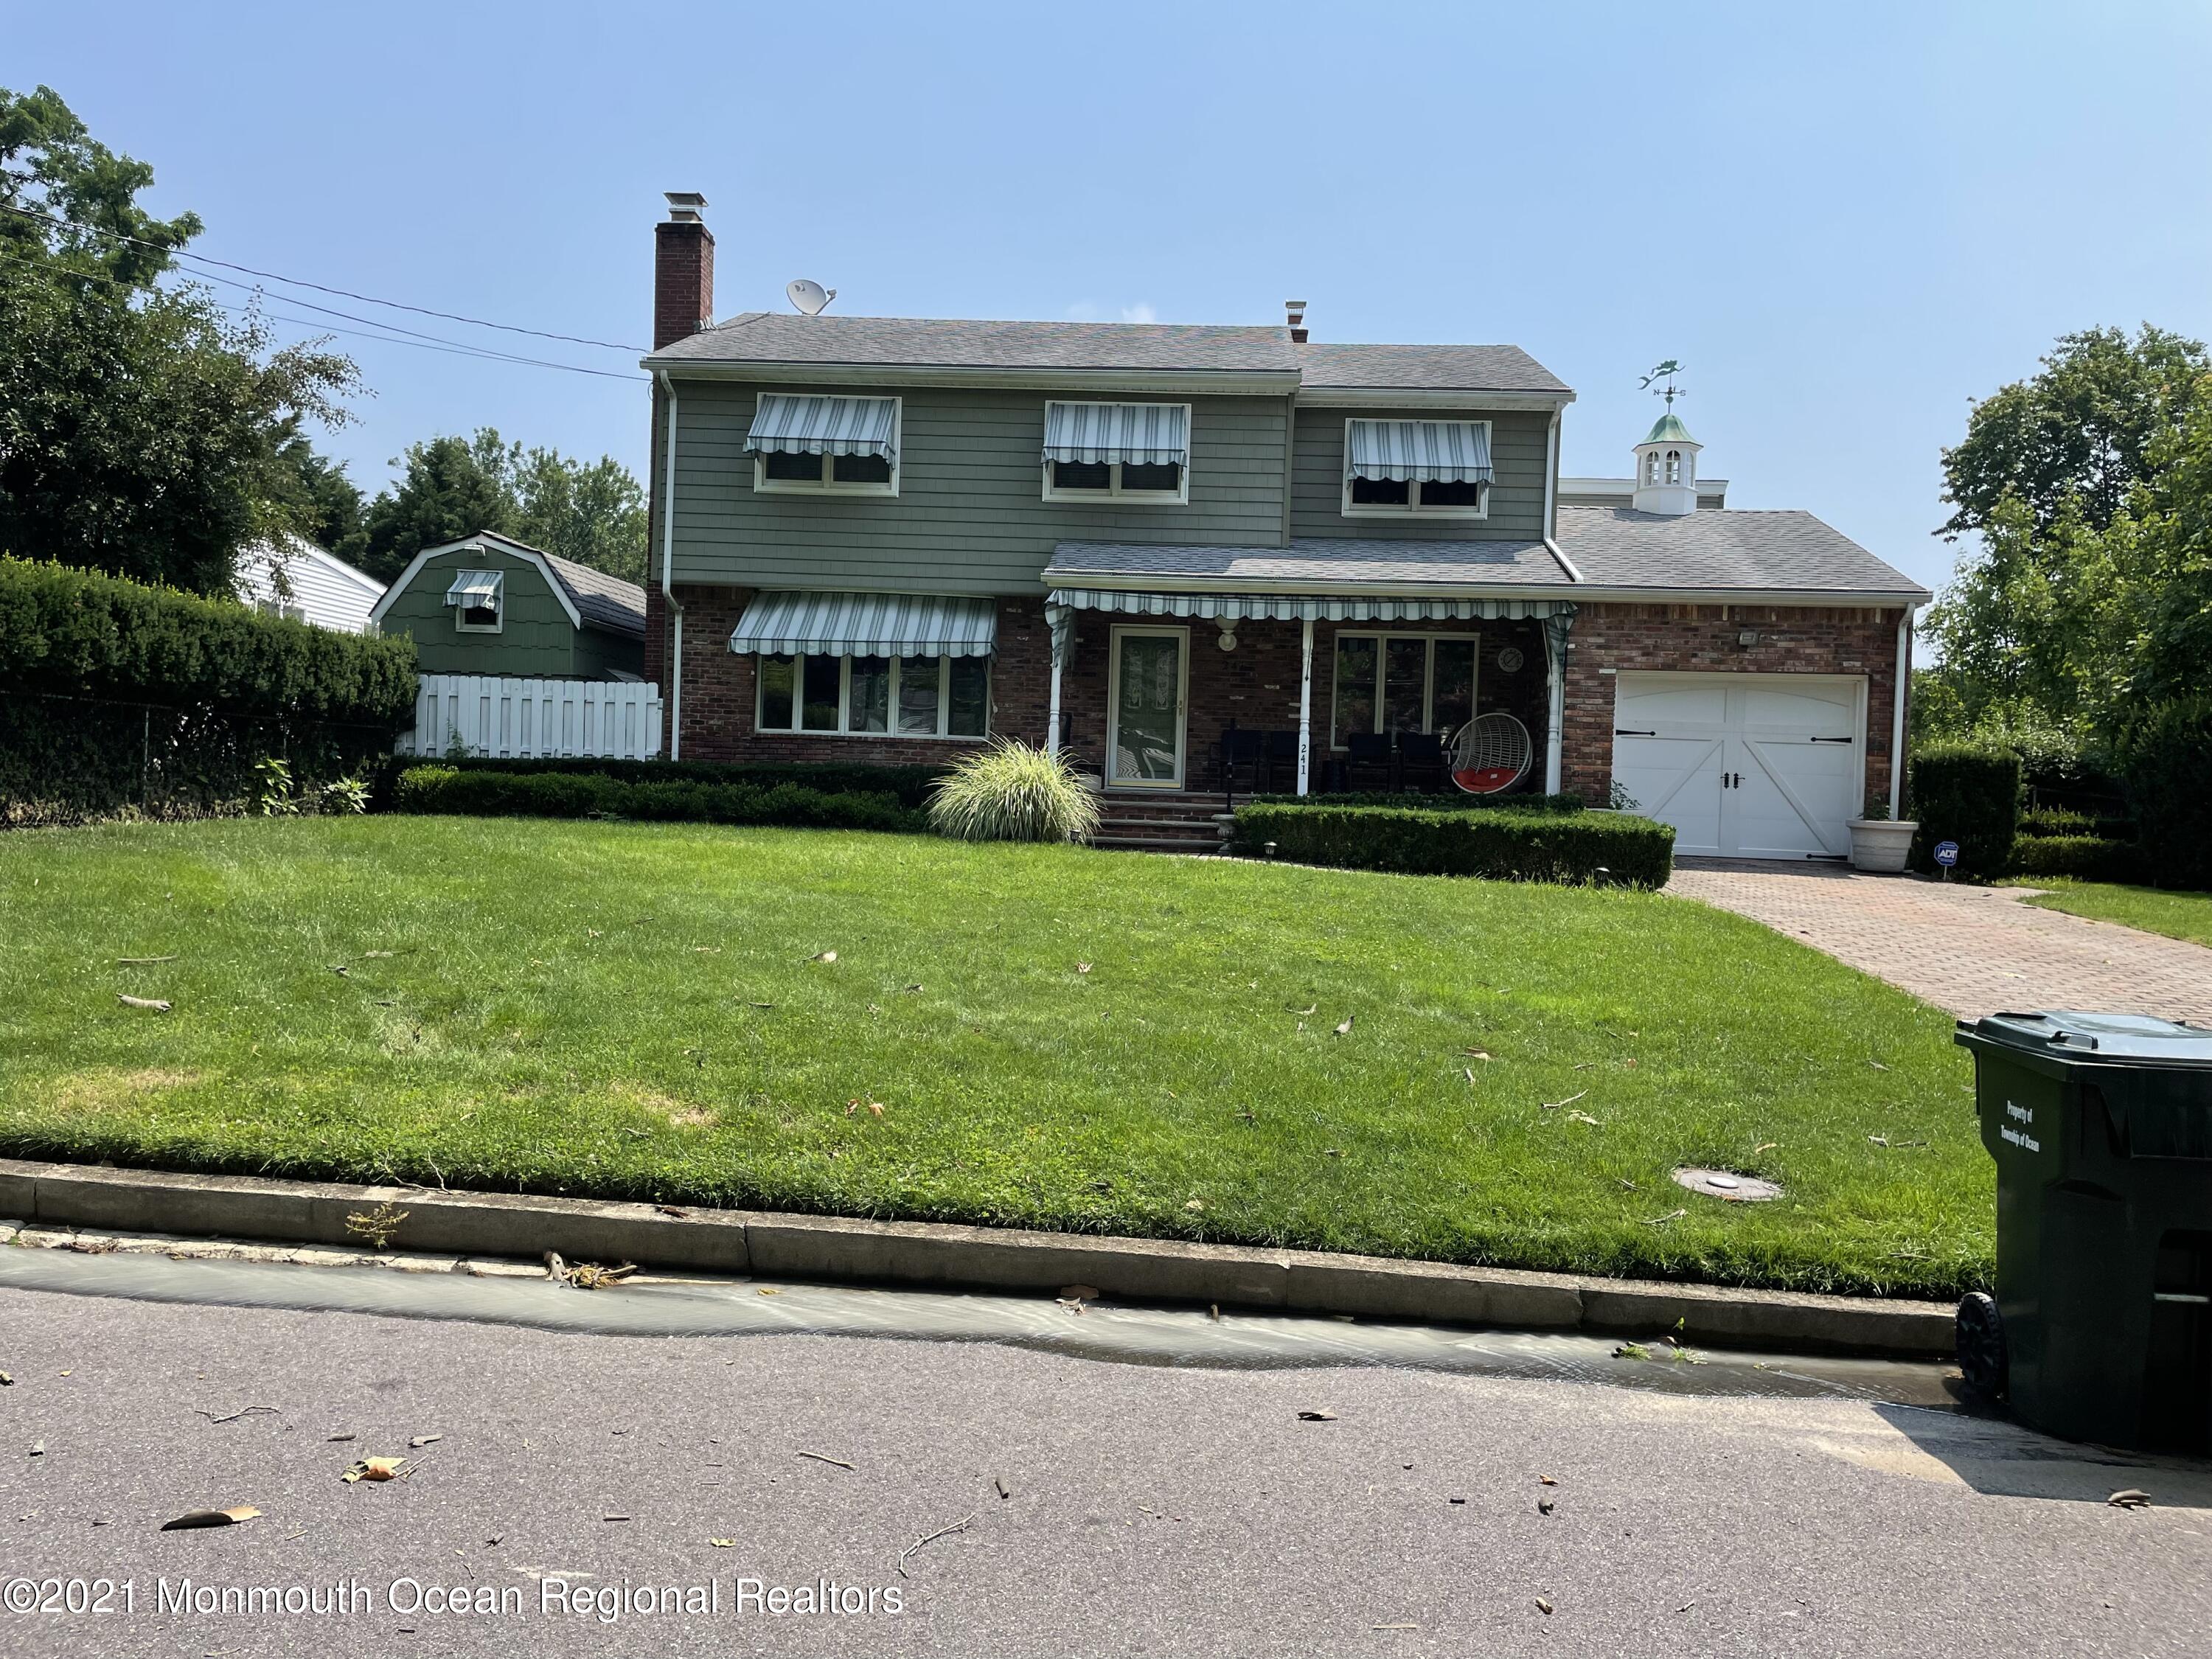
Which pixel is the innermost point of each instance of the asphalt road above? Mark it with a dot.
(1148, 1509)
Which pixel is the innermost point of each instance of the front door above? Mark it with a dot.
(1144, 700)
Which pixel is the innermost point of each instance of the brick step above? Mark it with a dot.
(1157, 843)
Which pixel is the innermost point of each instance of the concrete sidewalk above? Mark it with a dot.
(1972, 949)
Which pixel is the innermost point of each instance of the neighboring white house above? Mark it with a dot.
(318, 587)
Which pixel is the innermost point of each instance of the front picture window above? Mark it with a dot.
(875, 696)
(1394, 683)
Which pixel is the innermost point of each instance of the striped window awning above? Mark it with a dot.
(1136, 435)
(785, 424)
(1421, 452)
(866, 625)
(1062, 602)
(477, 590)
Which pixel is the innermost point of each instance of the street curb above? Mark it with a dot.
(987, 1258)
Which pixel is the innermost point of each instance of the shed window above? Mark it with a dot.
(875, 696)
(479, 601)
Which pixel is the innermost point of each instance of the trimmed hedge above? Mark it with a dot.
(1602, 848)
(84, 633)
(911, 784)
(2056, 821)
(2090, 858)
(1968, 793)
(1455, 802)
(2166, 757)
(483, 793)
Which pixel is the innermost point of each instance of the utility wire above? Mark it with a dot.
(301, 282)
(389, 333)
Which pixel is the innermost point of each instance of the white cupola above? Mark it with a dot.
(1667, 469)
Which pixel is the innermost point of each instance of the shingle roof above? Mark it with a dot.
(1439, 367)
(603, 600)
(764, 337)
(1349, 561)
(1766, 552)
(959, 343)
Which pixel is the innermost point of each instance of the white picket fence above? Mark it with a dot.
(498, 716)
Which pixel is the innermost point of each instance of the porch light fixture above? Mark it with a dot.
(1747, 637)
(1227, 640)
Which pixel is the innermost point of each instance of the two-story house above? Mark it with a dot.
(887, 538)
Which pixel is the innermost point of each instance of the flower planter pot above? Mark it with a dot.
(1881, 845)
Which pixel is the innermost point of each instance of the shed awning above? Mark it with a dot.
(866, 625)
(785, 424)
(477, 590)
(1136, 435)
(1061, 603)
(1423, 452)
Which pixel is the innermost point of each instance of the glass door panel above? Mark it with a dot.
(1148, 685)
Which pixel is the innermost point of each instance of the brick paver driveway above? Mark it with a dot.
(1971, 950)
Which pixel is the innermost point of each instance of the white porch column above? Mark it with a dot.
(1052, 740)
(1555, 658)
(1305, 711)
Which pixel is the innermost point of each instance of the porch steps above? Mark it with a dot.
(1165, 823)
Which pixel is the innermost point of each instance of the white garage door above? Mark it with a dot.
(1755, 766)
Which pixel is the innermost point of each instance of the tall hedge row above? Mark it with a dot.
(1602, 849)
(911, 784)
(544, 794)
(2167, 758)
(1968, 793)
(83, 633)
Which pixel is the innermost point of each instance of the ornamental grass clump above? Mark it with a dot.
(1013, 791)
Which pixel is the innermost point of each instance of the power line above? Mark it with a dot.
(301, 282)
(388, 333)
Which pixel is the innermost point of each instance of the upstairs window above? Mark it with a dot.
(1424, 468)
(479, 601)
(1127, 452)
(825, 445)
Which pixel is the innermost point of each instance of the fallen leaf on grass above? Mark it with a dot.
(1764, 1146)
(875, 1107)
(147, 962)
(1345, 1029)
(1877, 1065)
(372, 954)
(1477, 1053)
(1308, 1013)
(1627, 1185)
(374, 1469)
(2128, 1498)
(824, 956)
(340, 969)
(158, 1005)
(1195, 1204)
(1661, 1220)
(1554, 1105)
(230, 1517)
(1082, 966)
(1581, 1117)
(1317, 1416)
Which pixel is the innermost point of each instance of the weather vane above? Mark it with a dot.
(1666, 371)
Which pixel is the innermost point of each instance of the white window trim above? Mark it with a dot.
(828, 486)
(1414, 509)
(463, 625)
(845, 703)
(1180, 496)
(1428, 675)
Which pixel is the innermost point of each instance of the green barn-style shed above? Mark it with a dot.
(492, 605)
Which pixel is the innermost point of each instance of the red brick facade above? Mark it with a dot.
(1705, 638)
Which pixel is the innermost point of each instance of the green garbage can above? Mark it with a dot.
(2101, 1128)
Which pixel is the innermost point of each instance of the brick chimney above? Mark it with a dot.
(1296, 311)
(682, 270)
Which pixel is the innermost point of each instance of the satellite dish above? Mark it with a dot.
(809, 297)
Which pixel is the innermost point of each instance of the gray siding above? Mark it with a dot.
(1517, 443)
(969, 517)
(536, 638)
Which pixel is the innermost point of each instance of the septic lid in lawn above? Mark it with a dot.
(1721, 1183)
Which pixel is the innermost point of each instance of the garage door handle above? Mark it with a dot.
(1828, 739)
(1623, 731)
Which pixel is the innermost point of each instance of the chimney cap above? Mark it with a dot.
(684, 205)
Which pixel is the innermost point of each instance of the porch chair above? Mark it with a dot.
(1367, 761)
(1280, 762)
(1241, 754)
(1421, 761)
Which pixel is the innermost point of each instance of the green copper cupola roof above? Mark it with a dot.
(1668, 429)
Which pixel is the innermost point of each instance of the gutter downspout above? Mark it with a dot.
(1552, 483)
(1898, 693)
(668, 577)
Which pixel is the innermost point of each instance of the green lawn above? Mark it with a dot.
(2178, 916)
(639, 1011)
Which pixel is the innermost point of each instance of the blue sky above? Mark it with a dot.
(1846, 221)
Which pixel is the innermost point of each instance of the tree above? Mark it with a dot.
(591, 512)
(142, 430)
(448, 489)
(326, 506)
(2079, 431)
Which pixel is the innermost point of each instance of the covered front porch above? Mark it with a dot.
(1175, 693)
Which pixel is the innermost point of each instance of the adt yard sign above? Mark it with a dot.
(1947, 854)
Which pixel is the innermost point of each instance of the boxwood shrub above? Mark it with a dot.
(2090, 858)
(484, 792)
(1605, 848)
(911, 784)
(1452, 801)
(1969, 793)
